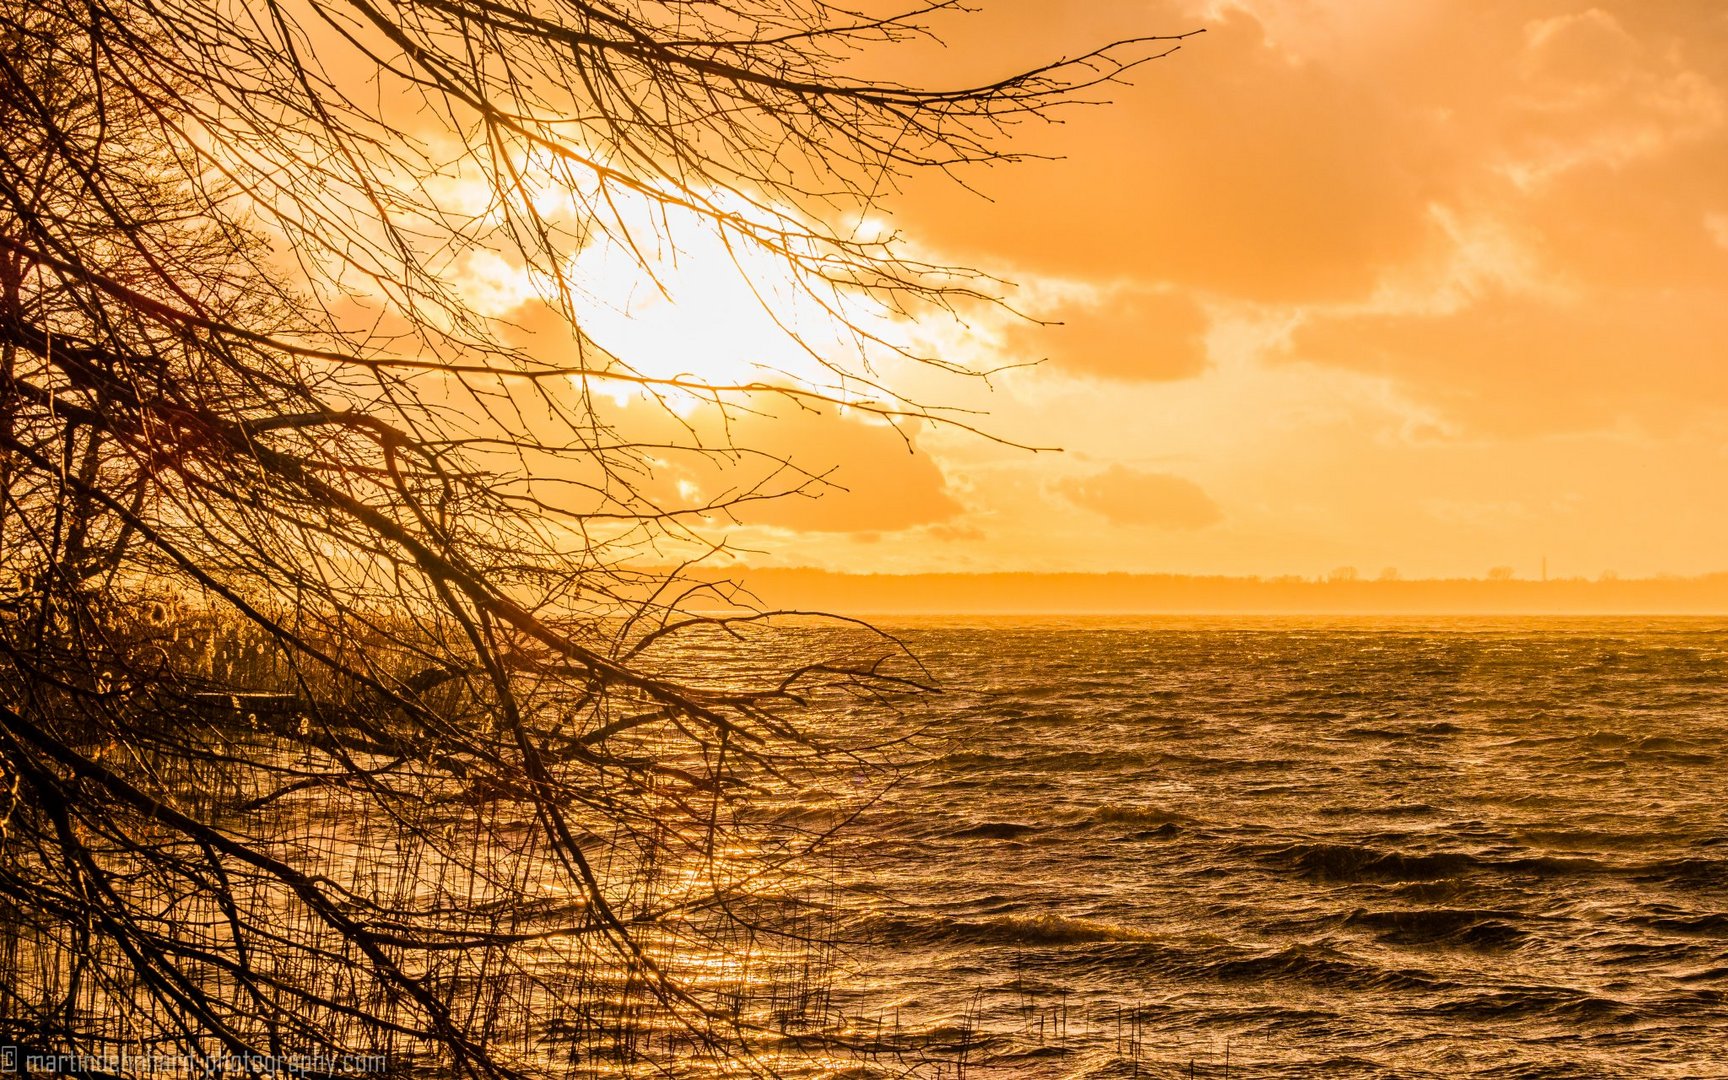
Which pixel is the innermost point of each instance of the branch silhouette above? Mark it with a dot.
(347, 703)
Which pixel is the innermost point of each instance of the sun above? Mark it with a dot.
(704, 310)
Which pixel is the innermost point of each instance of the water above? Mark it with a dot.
(1287, 848)
(1165, 848)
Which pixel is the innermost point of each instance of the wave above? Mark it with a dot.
(1376, 733)
(1049, 930)
(992, 830)
(1326, 849)
(1134, 816)
(1355, 862)
(1322, 965)
(1543, 866)
(1714, 924)
(1379, 810)
(1414, 731)
(984, 923)
(1656, 743)
(1440, 727)
(1674, 757)
(1556, 1002)
(1362, 863)
(1572, 839)
(1475, 927)
(1695, 872)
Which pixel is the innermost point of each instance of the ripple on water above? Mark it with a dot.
(1473, 848)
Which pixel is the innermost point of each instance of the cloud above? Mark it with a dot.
(1571, 281)
(1126, 331)
(1371, 266)
(1519, 365)
(872, 478)
(1298, 151)
(1227, 169)
(1125, 496)
(767, 461)
(1591, 93)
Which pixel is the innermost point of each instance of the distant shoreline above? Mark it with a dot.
(1173, 594)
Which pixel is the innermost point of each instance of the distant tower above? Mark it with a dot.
(1544, 568)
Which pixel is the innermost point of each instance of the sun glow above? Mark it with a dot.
(704, 310)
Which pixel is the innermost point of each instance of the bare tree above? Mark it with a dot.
(346, 705)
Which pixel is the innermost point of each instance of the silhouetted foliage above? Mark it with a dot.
(342, 705)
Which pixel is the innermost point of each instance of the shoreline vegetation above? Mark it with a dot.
(1178, 594)
(349, 829)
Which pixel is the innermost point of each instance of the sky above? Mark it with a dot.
(1411, 286)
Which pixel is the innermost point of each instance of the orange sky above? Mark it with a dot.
(1415, 284)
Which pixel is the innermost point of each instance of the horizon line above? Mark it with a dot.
(1608, 578)
(1125, 593)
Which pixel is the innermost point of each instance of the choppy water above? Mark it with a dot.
(1285, 848)
(1276, 848)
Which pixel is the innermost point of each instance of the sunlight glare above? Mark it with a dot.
(690, 304)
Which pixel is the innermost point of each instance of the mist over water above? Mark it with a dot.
(1393, 848)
